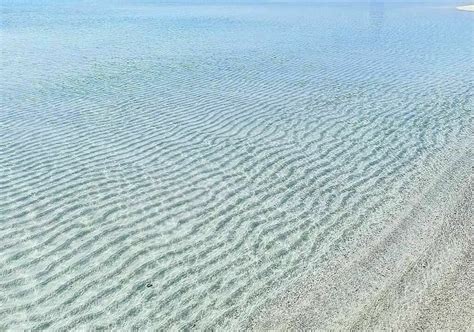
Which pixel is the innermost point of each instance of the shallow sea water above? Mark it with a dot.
(179, 165)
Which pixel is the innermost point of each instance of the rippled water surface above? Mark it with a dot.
(181, 164)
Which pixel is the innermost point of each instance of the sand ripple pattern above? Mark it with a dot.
(178, 166)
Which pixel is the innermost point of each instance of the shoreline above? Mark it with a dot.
(421, 260)
(467, 8)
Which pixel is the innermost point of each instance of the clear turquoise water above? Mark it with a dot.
(215, 152)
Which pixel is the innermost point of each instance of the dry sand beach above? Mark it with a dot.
(469, 8)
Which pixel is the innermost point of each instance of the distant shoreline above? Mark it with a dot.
(469, 8)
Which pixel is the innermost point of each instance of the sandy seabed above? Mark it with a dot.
(223, 166)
